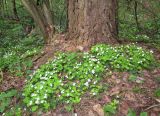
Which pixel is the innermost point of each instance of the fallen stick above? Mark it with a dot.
(156, 105)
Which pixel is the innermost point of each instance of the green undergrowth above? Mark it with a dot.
(66, 78)
(63, 80)
(17, 49)
(18, 58)
(124, 57)
(111, 108)
(5, 99)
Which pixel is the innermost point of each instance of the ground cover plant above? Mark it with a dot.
(16, 56)
(69, 76)
(5, 99)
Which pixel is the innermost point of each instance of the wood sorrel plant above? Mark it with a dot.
(63, 80)
(124, 57)
(70, 75)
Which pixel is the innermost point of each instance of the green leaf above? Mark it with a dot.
(34, 108)
(143, 114)
(110, 109)
(131, 113)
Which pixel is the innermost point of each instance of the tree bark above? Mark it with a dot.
(15, 10)
(42, 16)
(93, 21)
(136, 15)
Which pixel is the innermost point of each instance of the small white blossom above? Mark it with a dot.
(45, 95)
(41, 87)
(93, 72)
(62, 91)
(74, 84)
(37, 102)
(30, 103)
(42, 101)
(67, 94)
(86, 84)
(89, 80)
(94, 82)
(151, 51)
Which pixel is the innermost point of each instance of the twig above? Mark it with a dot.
(1, 75)
(156, 105)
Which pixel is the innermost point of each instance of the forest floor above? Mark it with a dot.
(137, 94)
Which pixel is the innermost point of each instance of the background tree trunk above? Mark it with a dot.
(93, 21)
(15, 10)
(42, 16)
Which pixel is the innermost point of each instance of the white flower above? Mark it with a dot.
(67, 101)
(74, 84)
(94, 93)
(37, 102)
(30, 103)
(32, 95)
(67, 94)
(41, 87)
(93, 72)
(86, 84)
(89, 80)
(66, 76)
(42, 101)
(45, 95)
(38, 98)
(62, 91)
(151, 51)
(94, 82)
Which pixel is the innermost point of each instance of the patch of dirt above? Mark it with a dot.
(10, 82)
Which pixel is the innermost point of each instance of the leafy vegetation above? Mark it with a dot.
(157, 93)
(16, 56)
(70, 75)
(110, 108)
(5, 99)
(125, 57)
(133, 113)
(63, 81)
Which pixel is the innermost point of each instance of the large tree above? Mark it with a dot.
(40, 11)
(89, 21)
(93, 21)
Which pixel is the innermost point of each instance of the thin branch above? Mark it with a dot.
(156, 105)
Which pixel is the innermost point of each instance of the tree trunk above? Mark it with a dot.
(42, 16)
(136, 15)
(93, 21)
(15, 10)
